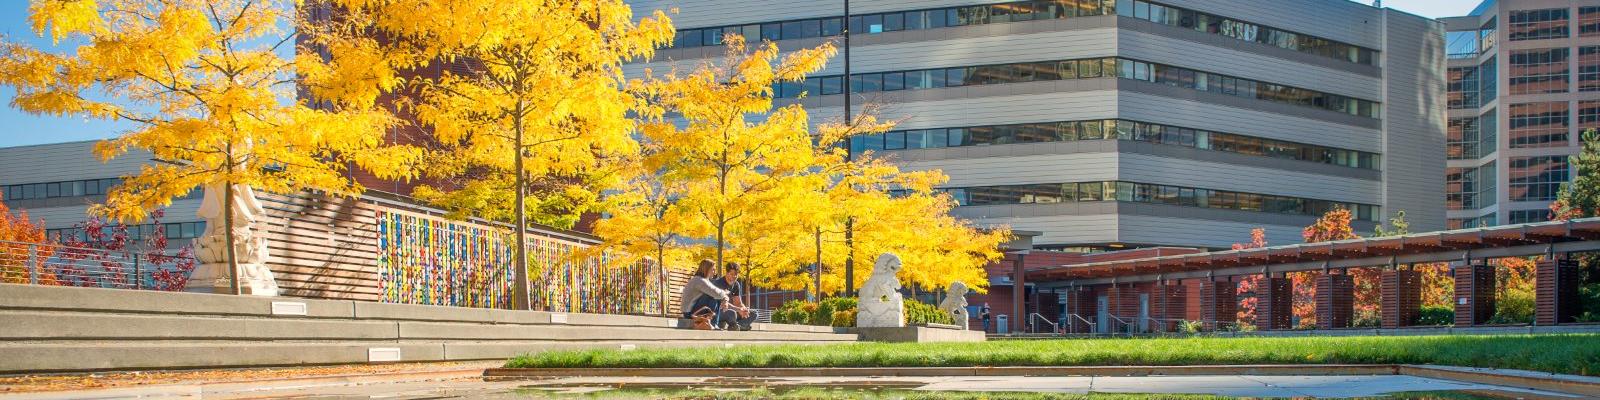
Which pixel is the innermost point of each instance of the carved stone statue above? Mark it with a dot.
(955, 304)
(880, 305)
(250, 249)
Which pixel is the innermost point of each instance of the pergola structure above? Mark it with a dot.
(1150, 294)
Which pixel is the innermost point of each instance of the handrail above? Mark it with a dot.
(1071, 324)
(1053, 326)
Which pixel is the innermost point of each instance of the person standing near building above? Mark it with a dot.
(983, 313)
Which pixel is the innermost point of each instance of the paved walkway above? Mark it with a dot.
(475, 388)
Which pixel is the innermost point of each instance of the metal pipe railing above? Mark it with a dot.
(58, 265)
(1071, 326)
(1054, 328)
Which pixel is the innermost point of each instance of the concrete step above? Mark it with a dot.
(26, 325)
(73, 299)
(82, 329)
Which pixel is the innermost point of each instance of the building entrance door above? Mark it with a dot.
(1144, 312)
(1102, 318)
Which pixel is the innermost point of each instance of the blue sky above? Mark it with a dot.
(18, 128)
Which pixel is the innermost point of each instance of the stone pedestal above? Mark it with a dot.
(930, 333)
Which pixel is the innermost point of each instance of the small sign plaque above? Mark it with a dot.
(383, 354)
(559, 318)
(288, 308)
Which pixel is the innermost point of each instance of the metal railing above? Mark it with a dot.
(1072, 325)
(1033, 328)
(57, 265)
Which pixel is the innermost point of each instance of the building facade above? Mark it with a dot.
(57, 183)
(1524, 83)
(1109, 124)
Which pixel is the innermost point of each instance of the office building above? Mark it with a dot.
(1524, 83)
(1107, 124)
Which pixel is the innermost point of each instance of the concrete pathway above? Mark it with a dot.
(475, 388)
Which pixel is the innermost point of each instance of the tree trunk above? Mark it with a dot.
(816, 272)
(519, 271)
(227, 224)
(227, 229)
(661, 264)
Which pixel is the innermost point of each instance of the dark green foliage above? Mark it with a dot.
(829, 306)
(1590, 295)
(1567, 354)
(1437, 315)
(796, 312)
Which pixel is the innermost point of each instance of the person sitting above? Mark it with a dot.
(701, 296)
(734, 312)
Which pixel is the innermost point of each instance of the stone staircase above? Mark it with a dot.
(45, 329)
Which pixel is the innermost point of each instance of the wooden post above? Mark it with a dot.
(1555, 291)
(1474, 300)
(1335, 300)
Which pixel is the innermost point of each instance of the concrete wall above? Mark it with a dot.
(76, 329)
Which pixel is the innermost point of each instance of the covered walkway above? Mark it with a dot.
(1153, 294)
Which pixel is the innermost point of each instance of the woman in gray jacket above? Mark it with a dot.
(699, 293)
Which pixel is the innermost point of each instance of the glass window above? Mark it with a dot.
(810, 28)
(894, 140)
(894, 22)
(1461, 44)
(894, 81)
(792, 30)
(1538, 125)
(1589, 68)
(771, 31)
(832, 85)
(1588, 21)
(1537, 24)
(874, 23)
(1536, 178)
(832, 26)
(1538, 71)
(1462, 90)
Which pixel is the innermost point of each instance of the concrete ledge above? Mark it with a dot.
(13, 296)
(920, 334)
(1330, 369)
(33, 358)
(1574, 384)
(66, 325)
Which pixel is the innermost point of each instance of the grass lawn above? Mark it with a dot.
(1566, 354)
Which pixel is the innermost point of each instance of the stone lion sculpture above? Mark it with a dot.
(880, 305)
(955, 304)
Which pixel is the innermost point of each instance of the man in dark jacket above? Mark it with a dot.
(735, 315)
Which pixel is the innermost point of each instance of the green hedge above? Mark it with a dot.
(841, 311)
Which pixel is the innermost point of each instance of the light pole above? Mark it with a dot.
(849, 156)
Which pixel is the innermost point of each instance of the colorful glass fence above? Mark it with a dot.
(429, 260)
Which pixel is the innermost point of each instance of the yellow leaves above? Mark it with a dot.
(209, 95)
(60, 18)
(535, 82)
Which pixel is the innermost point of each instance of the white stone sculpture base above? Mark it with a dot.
(254, 280)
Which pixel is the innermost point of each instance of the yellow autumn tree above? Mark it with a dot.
(735, 154)
(212, 93)
(527, 99)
